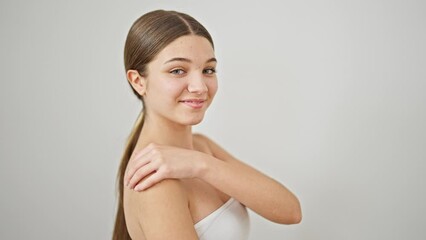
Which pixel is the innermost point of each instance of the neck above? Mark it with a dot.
(165, 132)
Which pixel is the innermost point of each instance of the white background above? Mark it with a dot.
(327, 97)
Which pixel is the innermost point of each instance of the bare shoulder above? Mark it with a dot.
(163, 189)
(201, 139)
(168, 191)
(160, 207)
(216, 150)
(201, 143)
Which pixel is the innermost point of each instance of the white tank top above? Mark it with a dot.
(229, 222)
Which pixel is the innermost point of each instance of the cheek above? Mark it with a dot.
(173, 89)
(166, 88)
(212, 86)
(162, 93)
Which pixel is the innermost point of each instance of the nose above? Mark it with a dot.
(197, 85)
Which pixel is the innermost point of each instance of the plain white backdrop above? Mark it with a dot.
(327, 97)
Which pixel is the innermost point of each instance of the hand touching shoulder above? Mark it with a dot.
(163, 212)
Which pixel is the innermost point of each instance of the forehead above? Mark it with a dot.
(193, 47)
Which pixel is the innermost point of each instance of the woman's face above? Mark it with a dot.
(181, 81)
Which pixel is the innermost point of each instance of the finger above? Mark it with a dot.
(142, 152)
(141, 174)
(136, 164)
(149, 181)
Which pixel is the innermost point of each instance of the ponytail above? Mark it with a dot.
(120, 228)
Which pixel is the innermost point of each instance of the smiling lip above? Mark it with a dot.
(194, 103)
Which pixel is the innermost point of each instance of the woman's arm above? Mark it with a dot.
(252, 188)
(163, 212)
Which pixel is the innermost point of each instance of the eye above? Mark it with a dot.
(177, 71)
(209, 71)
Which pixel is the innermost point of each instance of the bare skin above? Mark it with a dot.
(175, 178)
(202, 199)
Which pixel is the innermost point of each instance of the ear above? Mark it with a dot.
(137, 81)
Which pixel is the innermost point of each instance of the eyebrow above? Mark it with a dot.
(180, 59)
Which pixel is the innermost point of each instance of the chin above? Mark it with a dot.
(193, 121)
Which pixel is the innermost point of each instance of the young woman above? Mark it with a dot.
(174, 184)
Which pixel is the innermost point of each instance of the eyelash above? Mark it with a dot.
(175, 71)
(213, 70)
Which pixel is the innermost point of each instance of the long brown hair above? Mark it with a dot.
(148, 35)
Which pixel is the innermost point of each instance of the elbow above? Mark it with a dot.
(290, 216)
(296, 218)
(296, 214)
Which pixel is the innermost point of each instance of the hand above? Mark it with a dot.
(157, 162)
